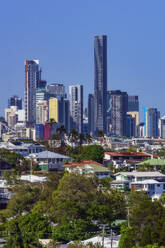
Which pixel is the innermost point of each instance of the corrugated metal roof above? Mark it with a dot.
(142, 174)
(48, 154)
(153, 162)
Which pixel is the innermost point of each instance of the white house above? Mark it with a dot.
(50, 160)
(154, 188)
(124, 179)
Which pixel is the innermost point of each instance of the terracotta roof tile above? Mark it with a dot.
(126, 154)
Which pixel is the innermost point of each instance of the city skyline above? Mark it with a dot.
(135, 41)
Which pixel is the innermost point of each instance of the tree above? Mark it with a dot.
(88, 138)
(72, 198)
(73, 229)
(25, 197)
(147, 226)
(51, 122)
(73, 136)
(61, 130)
(93, 152)
(81, 138)
(26, 230)
(11, 177)
(135, 198)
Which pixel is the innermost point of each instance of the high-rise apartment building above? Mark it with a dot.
(91, 113)
(162, 127)
(54, 109)
(119, 107)
(133, 109)
(76, 107)
(42, 112)
(66, 115)
(56, 90)
(15, 101)
(152, 117)
(41, 84)
(130, 126)
(32, 79)
(133, 104)
(109, 112)
(100, 83)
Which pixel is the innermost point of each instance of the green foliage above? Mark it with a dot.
(25, 231)
(49, 186)
(11, 177)
(147, 226)
(73, 229)
(40, 208)
(93, 152)
(72, 198)
(125, 240)
(132, 149)
(25, 197)
(135, 198)
(11, 157)
(150, 246)
(90, 152)
(78, 198)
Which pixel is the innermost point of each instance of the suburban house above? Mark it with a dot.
(23, 148)
(154, 188)
(88, 167)
(155, 163)
(50, 160)
(124, 159)
(124, 179)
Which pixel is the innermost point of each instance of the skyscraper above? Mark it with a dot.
(15, 101)
(133, 110)
(76, 107)
(133, 104)
(119, 105)
(109, 109)
(91, 113)
(32, 79)
(162, 127)
(100, 83)
(56, 90)
(152, 117)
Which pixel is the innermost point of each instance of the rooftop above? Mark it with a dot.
(47, 154)
(32, 178)
(141, 174)
(153, 162)
(150, 181)
(128, 154)
(84, 162)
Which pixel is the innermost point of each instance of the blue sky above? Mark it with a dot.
(60, 34)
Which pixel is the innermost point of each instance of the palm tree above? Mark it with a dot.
(61, 131)
(73, 136)
(101, 135)
(51, 122)
(81, 138)
(88, 138)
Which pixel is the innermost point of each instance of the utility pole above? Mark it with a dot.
(111, 236)
(128, 216)
(31, 170)
(103, 231)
